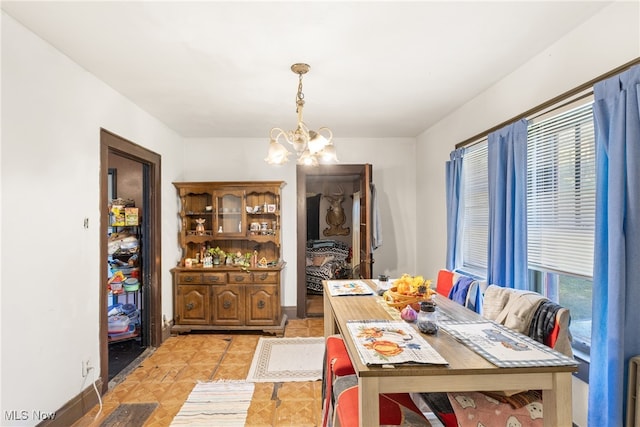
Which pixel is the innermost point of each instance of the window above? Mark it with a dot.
(575, 294)
(560, 211)
(475, 187)
(561, 192)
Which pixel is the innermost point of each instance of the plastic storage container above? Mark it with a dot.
(118, 324)
(131, 284)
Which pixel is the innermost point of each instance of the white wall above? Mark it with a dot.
(52, 112)
(218, 159)
(609, 40)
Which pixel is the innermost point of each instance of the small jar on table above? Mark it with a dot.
(428, 318)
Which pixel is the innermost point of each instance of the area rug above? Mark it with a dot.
(287, 360)
(218, 403)
(129, 414)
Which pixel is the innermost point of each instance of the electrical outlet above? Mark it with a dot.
(86, 367)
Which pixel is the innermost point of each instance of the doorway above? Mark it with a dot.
(316, 188)
(130, 173)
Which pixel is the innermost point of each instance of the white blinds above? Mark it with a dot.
(475, 190)
(561, 192)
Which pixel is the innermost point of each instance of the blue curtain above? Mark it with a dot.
(454, 207)
(507, 240)
(616, 268)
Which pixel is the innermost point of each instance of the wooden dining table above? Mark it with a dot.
(466, 369)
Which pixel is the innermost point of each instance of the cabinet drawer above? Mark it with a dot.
(189, 278)
(214, 278)
(239, 277)
(266, 277)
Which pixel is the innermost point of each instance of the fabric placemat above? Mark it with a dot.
(502, 346)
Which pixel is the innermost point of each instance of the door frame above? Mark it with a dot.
(302, 172)
(112, 143)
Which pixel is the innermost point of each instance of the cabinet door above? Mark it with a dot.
(263, 304)
(193, 304)
(230, 214)
(227, 305)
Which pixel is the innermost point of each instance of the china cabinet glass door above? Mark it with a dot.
(230, 214)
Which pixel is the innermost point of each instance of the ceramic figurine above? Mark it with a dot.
(200, 226)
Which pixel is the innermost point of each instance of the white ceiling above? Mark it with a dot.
(378, 69)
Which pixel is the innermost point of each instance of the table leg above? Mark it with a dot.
(329, 319)
(369, 401)
(557, 408)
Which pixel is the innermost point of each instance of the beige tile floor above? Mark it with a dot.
(168, 375)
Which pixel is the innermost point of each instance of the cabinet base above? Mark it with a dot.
(278, 330)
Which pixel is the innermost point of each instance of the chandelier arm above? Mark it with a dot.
(279, 133)
(328, 131)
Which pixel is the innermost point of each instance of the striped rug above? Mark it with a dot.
(219, 403)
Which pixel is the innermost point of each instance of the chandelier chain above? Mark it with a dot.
(300, 95)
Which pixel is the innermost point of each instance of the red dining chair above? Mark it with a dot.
(340, 394)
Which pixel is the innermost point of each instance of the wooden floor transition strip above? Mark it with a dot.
(129, 414)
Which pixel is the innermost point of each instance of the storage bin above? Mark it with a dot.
(118, 324)
(116, 287)
(134, 318)
(131, 284)
(130, 329)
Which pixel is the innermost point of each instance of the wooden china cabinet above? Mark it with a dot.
(241, 289)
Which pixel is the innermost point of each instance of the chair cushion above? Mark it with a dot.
(337, 364)
(474, 408)
(396, 409)
(445, 282)
(338, 358)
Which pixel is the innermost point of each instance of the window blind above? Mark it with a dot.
(561, 192)
(475, 182)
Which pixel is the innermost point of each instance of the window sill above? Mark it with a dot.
(583, 365)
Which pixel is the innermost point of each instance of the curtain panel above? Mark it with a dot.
(507, 240)
(454, 208)
(616, 271)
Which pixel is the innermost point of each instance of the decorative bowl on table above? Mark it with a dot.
(408, 290)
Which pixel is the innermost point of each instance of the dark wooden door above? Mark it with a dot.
(366, 225)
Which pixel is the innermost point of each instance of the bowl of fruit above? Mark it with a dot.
(408, 290)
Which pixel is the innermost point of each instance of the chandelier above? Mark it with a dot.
(311, 147)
